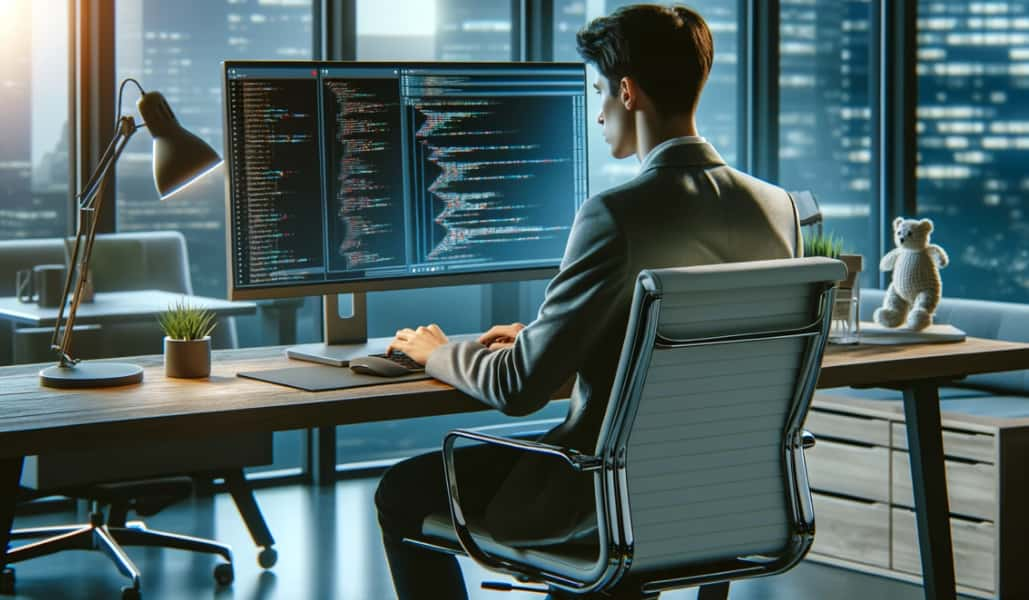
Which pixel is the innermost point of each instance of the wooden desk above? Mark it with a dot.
(34, 419)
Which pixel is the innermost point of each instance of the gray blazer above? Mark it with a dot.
(685, 208)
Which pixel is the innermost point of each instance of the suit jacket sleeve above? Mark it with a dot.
(579, 302)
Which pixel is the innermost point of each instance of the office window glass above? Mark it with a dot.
(177, 48)
(454, 30)
(718, 116)
(825, 117)
(33, 121)
(973, 132)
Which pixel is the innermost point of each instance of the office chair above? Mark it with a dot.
(698, 471)
(808, 211)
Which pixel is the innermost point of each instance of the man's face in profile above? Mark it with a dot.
(617, 122)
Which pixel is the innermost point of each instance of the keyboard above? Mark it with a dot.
(403, 360)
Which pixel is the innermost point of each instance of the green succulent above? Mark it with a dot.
(823, 245)
(185, 322)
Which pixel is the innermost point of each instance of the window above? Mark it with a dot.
(176, 48)
(456, 30)
(718, 115)
(34, 120)
(973, 131)
(825, 117)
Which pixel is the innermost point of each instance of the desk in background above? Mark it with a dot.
(107, 307)
(35, 419)
(110, 308)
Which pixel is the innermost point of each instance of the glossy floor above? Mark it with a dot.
(329, 548)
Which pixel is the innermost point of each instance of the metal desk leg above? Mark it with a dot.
(10, 476)
(929, 482)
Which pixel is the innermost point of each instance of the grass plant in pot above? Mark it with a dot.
(187, 340)
(845, 325)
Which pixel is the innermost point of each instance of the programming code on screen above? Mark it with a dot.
(354, 172)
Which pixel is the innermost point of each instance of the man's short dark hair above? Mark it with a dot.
(667, 50)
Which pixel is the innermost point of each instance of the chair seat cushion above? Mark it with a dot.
(576, 559)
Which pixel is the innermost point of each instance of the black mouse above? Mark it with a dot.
(377, 365)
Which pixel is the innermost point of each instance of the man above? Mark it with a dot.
(686, 207)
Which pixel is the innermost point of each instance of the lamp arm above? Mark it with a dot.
(126, 128)
(101, 168)
(91, 201)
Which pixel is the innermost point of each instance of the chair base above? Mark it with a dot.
(110, 540)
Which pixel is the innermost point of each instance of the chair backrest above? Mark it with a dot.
(704, 426)
(155, 260)
(808, 211)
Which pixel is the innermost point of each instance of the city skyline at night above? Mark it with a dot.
(973, 77)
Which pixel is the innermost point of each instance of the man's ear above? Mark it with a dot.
(628, 93)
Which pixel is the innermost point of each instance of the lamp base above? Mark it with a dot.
(91, 375)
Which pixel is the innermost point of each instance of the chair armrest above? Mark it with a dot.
(577, 461)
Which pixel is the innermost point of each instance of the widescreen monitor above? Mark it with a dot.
(356, 176)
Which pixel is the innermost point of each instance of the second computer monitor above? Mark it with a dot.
(367, 176)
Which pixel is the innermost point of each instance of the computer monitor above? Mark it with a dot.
(361, 176)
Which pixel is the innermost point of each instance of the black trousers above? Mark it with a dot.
(416, 488)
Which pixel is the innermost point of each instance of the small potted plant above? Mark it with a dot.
(845, 312)
(832, 247)
(187, 341)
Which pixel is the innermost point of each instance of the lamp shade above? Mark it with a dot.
(179, 156)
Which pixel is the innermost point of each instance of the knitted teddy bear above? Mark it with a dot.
(915, 290)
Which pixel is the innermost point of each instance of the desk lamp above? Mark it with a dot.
(179, 159)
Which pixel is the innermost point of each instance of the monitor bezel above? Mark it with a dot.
(296, 289)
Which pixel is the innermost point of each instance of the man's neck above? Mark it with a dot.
(651, 130)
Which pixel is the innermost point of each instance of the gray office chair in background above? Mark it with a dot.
(808, 211)
(698, 472)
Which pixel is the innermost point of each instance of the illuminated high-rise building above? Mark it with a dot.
(973, 134)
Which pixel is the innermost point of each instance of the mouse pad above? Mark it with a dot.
(319, 378)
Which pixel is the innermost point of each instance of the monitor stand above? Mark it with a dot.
(345, 336)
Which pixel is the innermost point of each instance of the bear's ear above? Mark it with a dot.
(897, 222)
(926, 225)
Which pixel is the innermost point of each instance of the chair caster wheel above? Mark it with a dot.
(7, 582)
(224, 574)
(130, 593)
(267, 557)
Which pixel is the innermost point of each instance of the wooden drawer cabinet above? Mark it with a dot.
(851, 470)
(971, 487)
(969, 445)
(974, 559)
(865, 430)
(851, 529)
(861, 486)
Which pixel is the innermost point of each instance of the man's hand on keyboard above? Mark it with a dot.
(501, 336)
(418, 343)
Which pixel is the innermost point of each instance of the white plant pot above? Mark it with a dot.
(187, 358)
